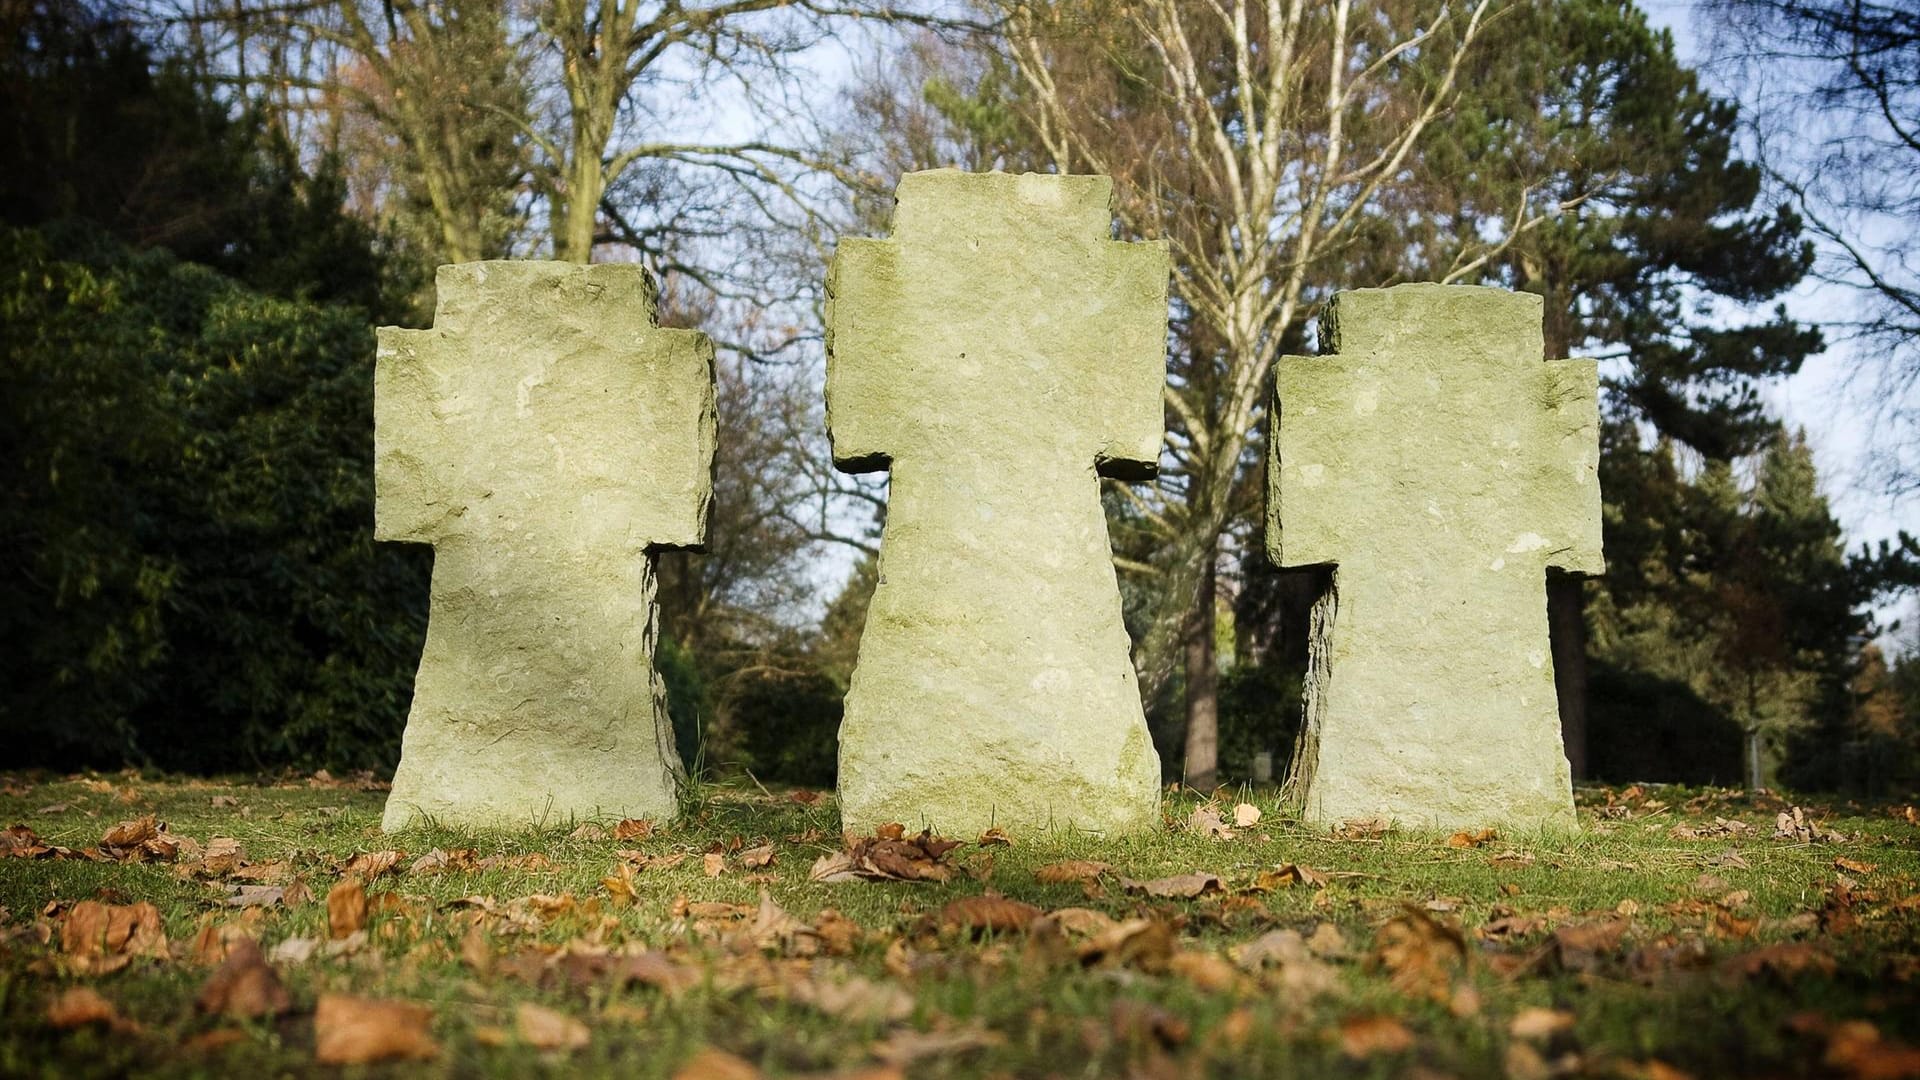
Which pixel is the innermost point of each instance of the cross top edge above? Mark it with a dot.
(931, 202)
(1357, 320)
(461, 288)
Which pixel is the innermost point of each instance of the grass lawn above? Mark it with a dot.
(1676, 934)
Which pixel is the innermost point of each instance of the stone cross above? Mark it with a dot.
(999, 355)
(545, 436)
(1443, 468)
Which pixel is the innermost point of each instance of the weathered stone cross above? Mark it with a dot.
(1443, 467)
(544, 436)
(999, 354)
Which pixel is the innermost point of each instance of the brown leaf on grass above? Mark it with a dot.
(1420, 954)
(82, 1007)
(989, 913)
(774, 930)
(1143, 944)
(1286, 876)
(888, 856)
(346, 908)
(757, 858)
(804, 797)
(255, 896)
(22, 842)
(1061, 873)
(907, 1046)
(619, 885)
(439, 860)
(1205, 970)
(100, 938)
(1584, 946)
(223, 856)
(1371, 1034)
(838, 934)
(1245, 815)
(1369, 828)
(633, 829)
(711, 1064)
(1539, 1025)
(1286, 961)
(1465, 839)
(1785, 961)
(714, 863)
(1206, 821)
(643, 861)
(547, 1029)
(588, 831)
(139, 840)
(1794, 825)
(371, 864)
(1179, 887)
(244, 985)
(1137, 1021)
(355, 1031)
(1854, 866)
(1858, 1048)
(854, 998)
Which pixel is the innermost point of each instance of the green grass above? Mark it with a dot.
(1045, 1016)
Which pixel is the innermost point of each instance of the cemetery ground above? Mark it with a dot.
(270, 929)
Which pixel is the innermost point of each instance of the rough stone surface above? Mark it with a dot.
(998, 354)
(544, 436)
(1443, 468)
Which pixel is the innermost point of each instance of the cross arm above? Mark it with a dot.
(1570, 391)
(863, 341)
(410, 500)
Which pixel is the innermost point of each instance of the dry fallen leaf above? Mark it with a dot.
(346, 908)
(1540, 1024)
(1183, 886)
(1472, 839)
(906, 1046)
(355, 1031)
(633, 829)
(990, 913)
(1072, 870)
(1583, 946)
(100, 938)
(1204, 970)
(371, 864)
(1367, 1035)
(854, 998)
(547, 1029)
(887, 856)
(1205, 820)
(757, 858)
(1245, 815)
(1420, 954)
(81, 1006)
(715, 863)
(1854, 866)
(995, 836)
(139, 840)
(711, 1064)
(1143, 944)
(244, 985)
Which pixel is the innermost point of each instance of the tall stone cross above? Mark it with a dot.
(545, 437)
(999, 355)
(1442, 468)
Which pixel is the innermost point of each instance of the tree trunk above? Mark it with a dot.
(1567, 629)
(573, 240)
(1202, 764)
